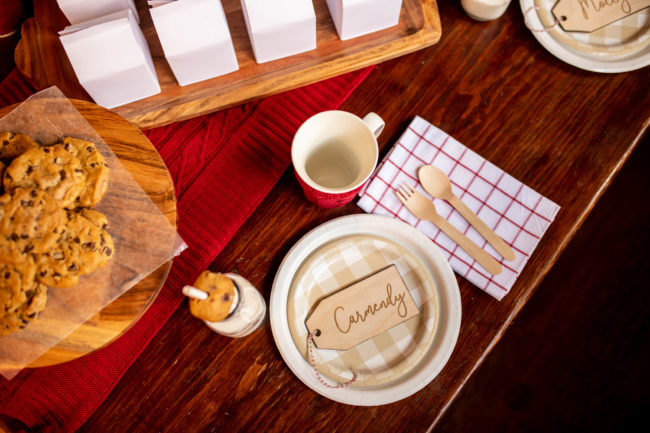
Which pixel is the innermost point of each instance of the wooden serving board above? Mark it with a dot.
(40, 56)
(142, 161)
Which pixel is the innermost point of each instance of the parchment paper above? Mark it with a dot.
(143, 237)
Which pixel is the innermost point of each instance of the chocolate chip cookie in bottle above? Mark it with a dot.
(228, 303)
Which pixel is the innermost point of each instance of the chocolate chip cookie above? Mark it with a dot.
(21, 296)
(95, 169)
(15, 279)
(51, 169)
(221, 294)
(30, 221)
(14, 144)
(95, 244)
(26, 312)
(82, 247)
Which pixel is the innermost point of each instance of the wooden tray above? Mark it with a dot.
(143, 162)
(40, 56)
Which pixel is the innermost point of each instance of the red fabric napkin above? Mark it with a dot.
(223, 165)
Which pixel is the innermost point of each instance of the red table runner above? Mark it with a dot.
(223, 165)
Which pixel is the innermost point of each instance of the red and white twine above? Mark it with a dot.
(310, 344)
(545, 29)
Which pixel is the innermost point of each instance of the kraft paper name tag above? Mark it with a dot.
(361, 311)
(590, 15)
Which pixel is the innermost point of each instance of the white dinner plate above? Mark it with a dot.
(621, 46)
(448, 297)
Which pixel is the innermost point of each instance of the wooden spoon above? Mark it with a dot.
(436, 183)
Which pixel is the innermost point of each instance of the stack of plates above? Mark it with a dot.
(395, 363)
(623, 45)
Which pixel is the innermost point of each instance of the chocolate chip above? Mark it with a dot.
(76, 239)
(28, 248)
(62, 174)
(46, 150)
(7, 275)
(107, 251)
(90, 149)
(29, 293)
(29, 169)
(27, 203)
(33, 193)
(14, 237)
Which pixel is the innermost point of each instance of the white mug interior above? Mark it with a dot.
(334, 151)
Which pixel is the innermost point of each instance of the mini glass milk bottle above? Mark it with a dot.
(245, 314)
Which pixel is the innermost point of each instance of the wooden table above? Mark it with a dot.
(563, 131)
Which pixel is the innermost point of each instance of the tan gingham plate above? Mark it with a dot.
(392, 353)
(395, 238)
(623, 45)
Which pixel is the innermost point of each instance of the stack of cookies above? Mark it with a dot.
(49, 234)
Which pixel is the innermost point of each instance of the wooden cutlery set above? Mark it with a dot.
(436, 183)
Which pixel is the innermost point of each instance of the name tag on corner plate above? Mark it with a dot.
(361, 311)
(590, 15)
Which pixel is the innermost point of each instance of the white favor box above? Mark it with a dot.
(354, 18)
(195, 38)
(78, 11)
(280, 28)
(111, 59)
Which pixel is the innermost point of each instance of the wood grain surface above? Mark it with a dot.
(142, 161)
(576, 358)
(40, 56)
(561, 130)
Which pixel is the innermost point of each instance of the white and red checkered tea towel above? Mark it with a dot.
(518, 214)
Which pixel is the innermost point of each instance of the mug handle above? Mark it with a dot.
(374, 123)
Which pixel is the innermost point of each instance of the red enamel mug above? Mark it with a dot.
(333, 154)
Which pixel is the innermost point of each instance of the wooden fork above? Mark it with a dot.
(424, 209)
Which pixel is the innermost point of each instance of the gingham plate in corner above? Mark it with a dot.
(621, 46)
